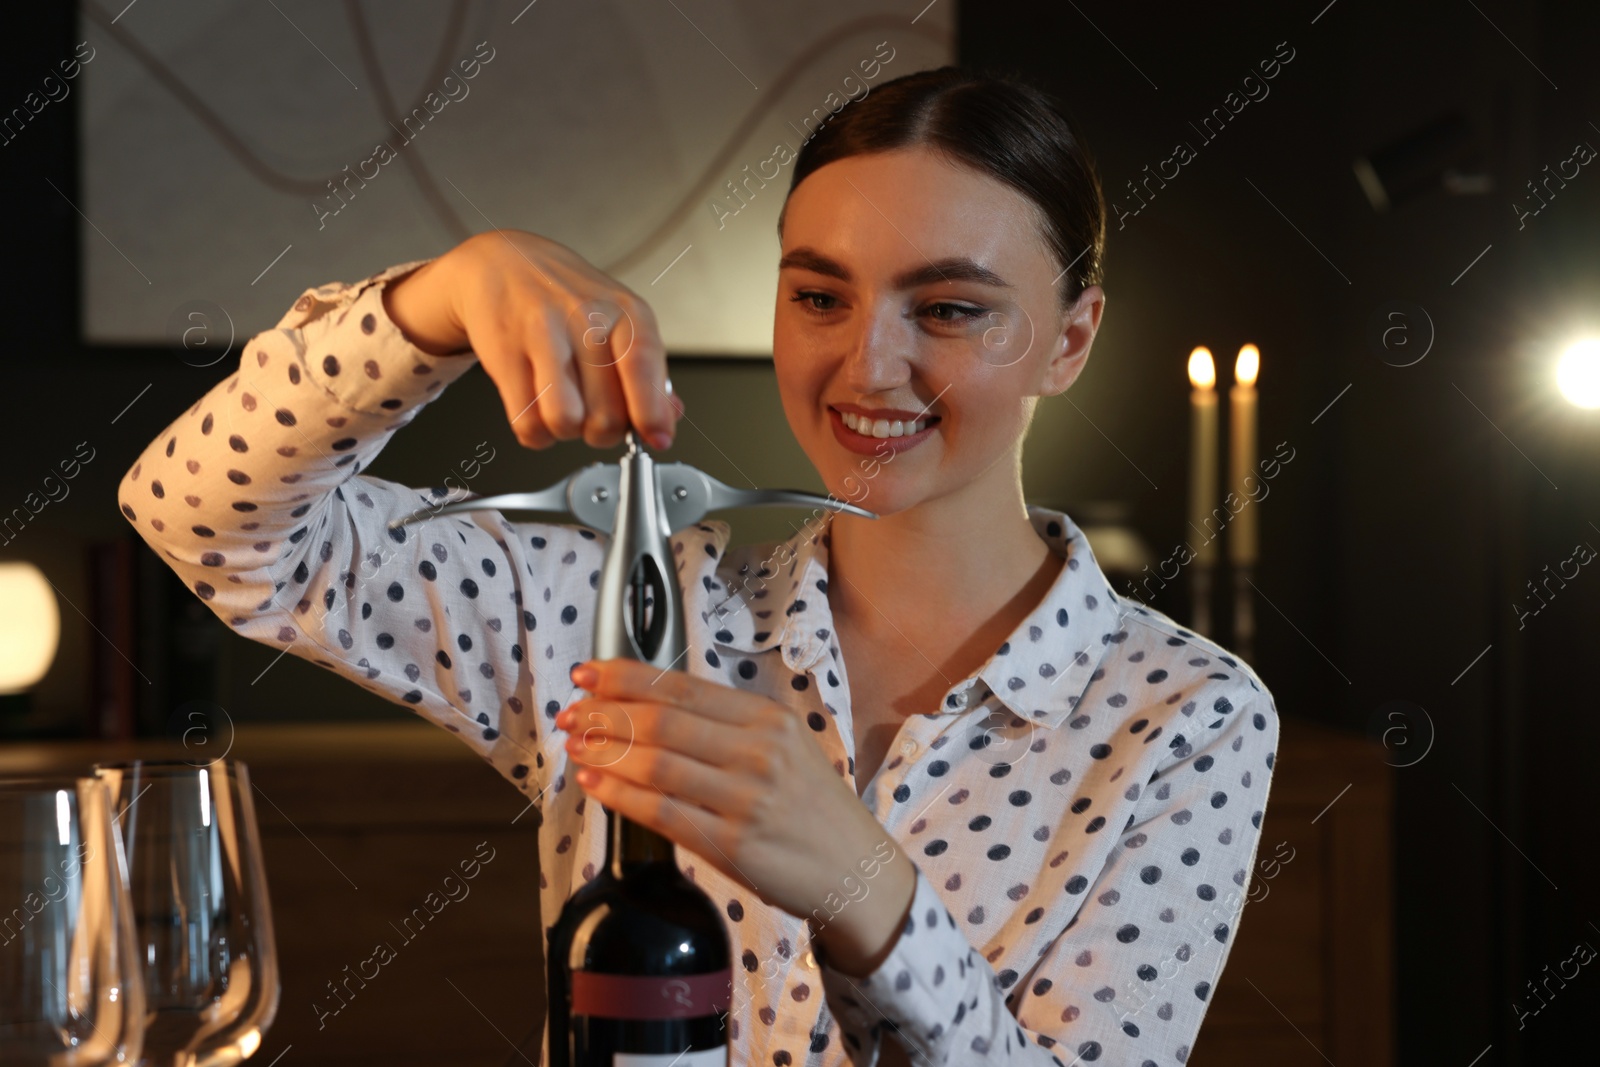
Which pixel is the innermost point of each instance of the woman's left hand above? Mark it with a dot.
(741, 780)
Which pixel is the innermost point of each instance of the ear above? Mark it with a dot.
(1071, 346)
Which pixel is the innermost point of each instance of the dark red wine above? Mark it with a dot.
(639, 964)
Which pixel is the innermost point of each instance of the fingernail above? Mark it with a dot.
(661, 440)
(584, 675)
(677, 402)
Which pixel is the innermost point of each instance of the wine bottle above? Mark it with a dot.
(639, 964)
(640, 969)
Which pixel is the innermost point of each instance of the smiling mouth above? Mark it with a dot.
(886, 427)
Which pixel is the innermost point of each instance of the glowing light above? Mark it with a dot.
(249, 1041)
(1578, 373)
(30, 626)
(1247, 365)
(63, 817)
(1202, 371)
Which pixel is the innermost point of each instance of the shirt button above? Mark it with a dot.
(908, 747)
(810, 960)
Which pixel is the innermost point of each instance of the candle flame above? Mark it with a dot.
(1202, 371)
(1247, 366)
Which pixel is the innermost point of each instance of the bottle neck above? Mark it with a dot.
(630, 845)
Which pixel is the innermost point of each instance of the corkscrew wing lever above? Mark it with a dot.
(591, 493)
(639, 503)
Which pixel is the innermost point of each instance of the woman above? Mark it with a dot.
(960, 801)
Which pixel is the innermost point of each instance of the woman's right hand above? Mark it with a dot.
(572, 351)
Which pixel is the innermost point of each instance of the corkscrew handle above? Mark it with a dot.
(639, 612)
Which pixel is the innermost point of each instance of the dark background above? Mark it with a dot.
(1395, 545)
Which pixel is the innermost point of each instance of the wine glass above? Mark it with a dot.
(71, 993)
(199, 893)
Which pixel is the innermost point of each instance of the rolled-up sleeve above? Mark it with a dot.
(1129, 978)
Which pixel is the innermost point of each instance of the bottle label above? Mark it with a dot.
(711, 1057)
(618, 996)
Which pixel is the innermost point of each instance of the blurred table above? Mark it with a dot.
(361, 822)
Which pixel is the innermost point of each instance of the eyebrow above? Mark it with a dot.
(949, 269)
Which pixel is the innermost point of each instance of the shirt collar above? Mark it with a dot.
(779, 599)
(1043, 668)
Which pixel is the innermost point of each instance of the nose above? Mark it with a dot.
(878, 357)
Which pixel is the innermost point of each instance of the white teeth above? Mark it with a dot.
(883, 427)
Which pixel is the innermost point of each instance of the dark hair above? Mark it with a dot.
(997, 124)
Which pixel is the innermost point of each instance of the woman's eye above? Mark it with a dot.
(808, 301)
(954, 313)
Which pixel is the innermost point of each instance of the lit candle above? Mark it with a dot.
(1202, 453)
(1243, 538)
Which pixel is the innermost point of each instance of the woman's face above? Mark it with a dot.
(914, 287)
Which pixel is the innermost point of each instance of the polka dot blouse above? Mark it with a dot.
(1083, 810)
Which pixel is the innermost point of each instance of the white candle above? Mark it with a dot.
(1243, 539)
(1202, 454)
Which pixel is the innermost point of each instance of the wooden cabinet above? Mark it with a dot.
(1311, 976)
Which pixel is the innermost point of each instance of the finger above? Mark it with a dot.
(560, 392)
(606, 727)
(513, 377)
(622, 678)
(599, 720)
(641, 370)
(592, 333)
(693, 828)
(675, 774)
